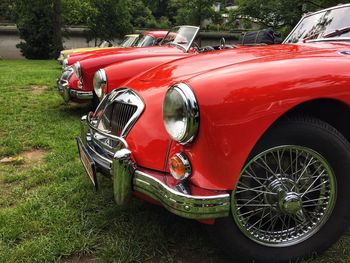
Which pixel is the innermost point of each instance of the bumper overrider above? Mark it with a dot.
(111, 156)
(66, 92)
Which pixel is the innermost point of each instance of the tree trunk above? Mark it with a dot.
(57, 28)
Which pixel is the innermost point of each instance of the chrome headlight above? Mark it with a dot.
(77, 69)
(181, 113)
(100, 83)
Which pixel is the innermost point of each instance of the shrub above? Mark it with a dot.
(36, 23)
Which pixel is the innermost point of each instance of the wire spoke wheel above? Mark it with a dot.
(284, 196)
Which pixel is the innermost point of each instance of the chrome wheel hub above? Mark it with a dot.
(290, 203)
(284, 196)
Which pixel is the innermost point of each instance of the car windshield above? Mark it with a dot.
(104, 44)
(329, 24)
(145, 41)
(182, 37)
(128, 41)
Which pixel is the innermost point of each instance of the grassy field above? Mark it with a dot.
(49, 211)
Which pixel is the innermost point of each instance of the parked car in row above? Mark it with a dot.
(145, 39)
(128, 41)
(252, 141)
(179, 42)
(69, 85)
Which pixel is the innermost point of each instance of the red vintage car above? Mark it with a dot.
(177, 43)
(127, 63)
(254, 142)
(69, 85)
(145, 39)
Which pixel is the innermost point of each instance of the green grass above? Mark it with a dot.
(49, 211)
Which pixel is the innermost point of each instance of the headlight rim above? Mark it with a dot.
(102, 81)
(192, 113)
(77, 69)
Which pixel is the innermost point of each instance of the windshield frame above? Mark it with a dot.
(142, 37)
(179, 45)
(315, 13)
(129, 38)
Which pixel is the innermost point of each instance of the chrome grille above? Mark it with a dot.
(118, 112)
(121, 115)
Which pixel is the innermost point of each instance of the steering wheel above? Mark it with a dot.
(196, 47)
(222, 43)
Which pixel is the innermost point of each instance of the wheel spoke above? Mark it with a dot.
(283, 195)
(306, 191)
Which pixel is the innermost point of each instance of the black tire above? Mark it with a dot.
(327, 141)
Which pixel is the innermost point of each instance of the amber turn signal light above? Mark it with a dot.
(180, 166)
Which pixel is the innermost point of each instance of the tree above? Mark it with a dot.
(57, 28)
(142, 15)
(280, 13)
(109, 19)
(159, 8)
(77, 12)
(6, 10)
(192, 12)
(37, 27)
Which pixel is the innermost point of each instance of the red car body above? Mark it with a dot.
(231, 102)
(240, 106)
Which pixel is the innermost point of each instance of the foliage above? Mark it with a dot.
(6, 10)
(108, 20)
(142, 16)
(192, 12)
(279, 13)
(36, 23)
(163, 22)
(76, 12)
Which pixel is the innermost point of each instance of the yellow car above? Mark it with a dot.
(128, 41)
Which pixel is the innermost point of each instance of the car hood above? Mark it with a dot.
(188, 67)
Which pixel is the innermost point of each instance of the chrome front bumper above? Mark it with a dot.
(117, 162)
(66, 92)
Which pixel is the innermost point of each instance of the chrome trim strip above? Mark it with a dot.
(188, 206)
(81, 95)
(331, 39)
